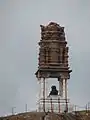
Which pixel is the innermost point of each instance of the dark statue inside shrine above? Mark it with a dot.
(54, 91)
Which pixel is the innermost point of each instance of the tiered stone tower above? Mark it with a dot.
(53, 63)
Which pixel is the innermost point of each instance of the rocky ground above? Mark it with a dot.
(48, 116)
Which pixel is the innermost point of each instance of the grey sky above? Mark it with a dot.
(19, 35)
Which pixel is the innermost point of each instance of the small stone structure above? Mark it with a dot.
(53, 63)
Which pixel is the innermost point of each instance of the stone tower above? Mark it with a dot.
(53, 63)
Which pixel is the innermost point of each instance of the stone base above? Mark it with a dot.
(54, 104)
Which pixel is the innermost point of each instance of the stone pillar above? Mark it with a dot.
(66, 95)
(60, 86)
(63, 88)
(39, 88)
(39, 94)
(46, 88)
(43, 94)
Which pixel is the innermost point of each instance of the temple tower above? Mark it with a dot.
(53, 63)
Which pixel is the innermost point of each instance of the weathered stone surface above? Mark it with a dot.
(52, 32)
(53, 51)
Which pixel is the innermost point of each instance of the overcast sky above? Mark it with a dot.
(19, 34)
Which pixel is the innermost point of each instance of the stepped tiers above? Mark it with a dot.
(53, 52)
